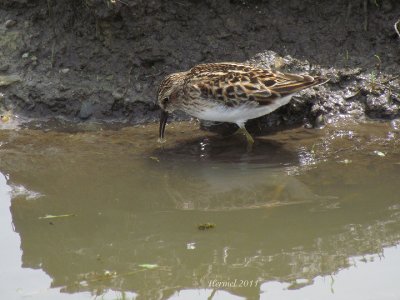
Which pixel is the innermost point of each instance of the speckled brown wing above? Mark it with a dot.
(286, 84)
(233, 83)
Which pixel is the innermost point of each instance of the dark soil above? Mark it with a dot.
(103, 59)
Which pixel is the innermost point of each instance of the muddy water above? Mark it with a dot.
(307, 214)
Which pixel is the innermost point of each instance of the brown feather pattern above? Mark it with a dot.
(227, 82)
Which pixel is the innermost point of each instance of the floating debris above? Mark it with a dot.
(87, 278)
(379, 153)
(98, 276)
(191, 246)
(206, 226)
(299, 283)
(56, 216)
(148, 266)
(108, 274)
(21, 191)
(346, 161)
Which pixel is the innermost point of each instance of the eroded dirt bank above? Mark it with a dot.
(103, 59)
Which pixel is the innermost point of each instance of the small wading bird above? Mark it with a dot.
(228, 92)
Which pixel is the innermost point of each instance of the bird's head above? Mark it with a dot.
(169, 97)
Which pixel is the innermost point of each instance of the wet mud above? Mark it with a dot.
(91, 60)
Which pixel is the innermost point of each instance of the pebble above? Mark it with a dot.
(320, 121)
(395, 124)
(64, 71)
(308, 125)
(9, 79)
(10, 23)
(117, 95)
(63, 88)
(86, 110)
(25, 55)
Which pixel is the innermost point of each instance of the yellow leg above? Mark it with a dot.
(249, 138)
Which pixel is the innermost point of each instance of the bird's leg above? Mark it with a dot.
(242, 130)
(248, 136)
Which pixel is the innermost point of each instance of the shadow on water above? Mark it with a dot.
(214, 174)
(232, 149)
(135, 207)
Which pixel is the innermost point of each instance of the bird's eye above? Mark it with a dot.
(165, 100)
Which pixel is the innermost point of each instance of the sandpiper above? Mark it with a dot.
(229, 92)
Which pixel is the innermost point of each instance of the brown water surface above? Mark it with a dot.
(95, 211)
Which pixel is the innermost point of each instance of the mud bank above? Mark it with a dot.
(103, 60)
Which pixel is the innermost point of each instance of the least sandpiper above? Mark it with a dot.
(229, 92)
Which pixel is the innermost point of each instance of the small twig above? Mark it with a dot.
(365, 15)
(182, 4)
(120, 1)
(348, 13)
(212, 294)
(129, 74)
(98, 30)
(347, 58)
(53, 25)
(53, 51)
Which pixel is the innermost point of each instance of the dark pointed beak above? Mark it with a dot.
(163, 122)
